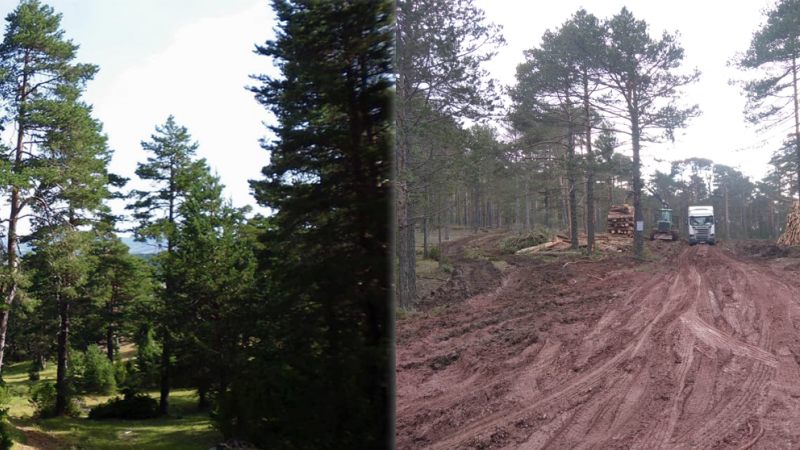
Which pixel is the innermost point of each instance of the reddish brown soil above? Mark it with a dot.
(699, 350)
(470, 276)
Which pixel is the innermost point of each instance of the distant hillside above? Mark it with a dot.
(140, 248)
(146, 249)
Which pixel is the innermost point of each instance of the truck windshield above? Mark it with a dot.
(665, 216)
(705, 220)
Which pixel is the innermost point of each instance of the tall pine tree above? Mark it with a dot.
(325, 384)
(39, 90)
(172, 172)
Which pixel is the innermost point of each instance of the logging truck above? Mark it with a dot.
(701, 222)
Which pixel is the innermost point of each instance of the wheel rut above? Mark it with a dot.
(682, 358)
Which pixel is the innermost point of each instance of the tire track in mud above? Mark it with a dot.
(711, 348)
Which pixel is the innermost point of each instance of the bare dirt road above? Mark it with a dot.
(698, 350)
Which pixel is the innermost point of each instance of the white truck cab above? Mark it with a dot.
(701, 224)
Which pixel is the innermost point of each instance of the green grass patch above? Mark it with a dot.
(185, 428)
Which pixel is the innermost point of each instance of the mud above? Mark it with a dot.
(699, 350)
(470, 276)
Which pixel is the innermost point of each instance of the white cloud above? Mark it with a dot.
(200, 78)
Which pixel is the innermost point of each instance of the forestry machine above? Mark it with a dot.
(666, 229)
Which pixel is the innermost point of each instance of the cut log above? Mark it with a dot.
(536, 248)
(792, 234)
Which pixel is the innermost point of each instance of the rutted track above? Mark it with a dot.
(699, 357)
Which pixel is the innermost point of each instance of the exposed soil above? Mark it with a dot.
(698, 349)
(470, 276)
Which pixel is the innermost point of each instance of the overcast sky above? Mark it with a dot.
(711, 33)
(188, 58)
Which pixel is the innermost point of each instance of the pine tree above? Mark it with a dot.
(39, 90)
(640, 71)
(774, 51)
(213, 269)
(327, 242)
(172, 173)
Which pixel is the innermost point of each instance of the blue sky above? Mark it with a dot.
(188, 58)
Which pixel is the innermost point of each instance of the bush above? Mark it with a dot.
(433, 253)
(123, 372)
(98, 372)
(43, 399)
(33, 370)
(135, 406)
(148, 359)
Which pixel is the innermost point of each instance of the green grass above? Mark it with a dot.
(185, 429)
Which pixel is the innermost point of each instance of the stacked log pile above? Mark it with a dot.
(792, 234)
(620, 220)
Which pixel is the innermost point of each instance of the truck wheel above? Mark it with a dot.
(712, 242)
(675, 235)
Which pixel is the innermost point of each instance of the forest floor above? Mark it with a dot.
(185, 429)
(698, 347)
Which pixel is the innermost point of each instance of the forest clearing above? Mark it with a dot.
(696, 348)
(188, 428)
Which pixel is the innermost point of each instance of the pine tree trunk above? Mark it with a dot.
(638, 234)
(166, 355)
(727, 219)
(439, 222)
(516, 209)
(527, 206)
(796, 120)
(448, 215)
(425, 238)
(110, 333)
(62, 389)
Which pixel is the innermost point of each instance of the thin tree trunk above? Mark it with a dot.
(796, 120)
(61, 371)
(441, 251)
(727, 219)
(425, 238)
(449, 215)
(638, 234)
(110, 332)
(516, 209)
(527, 206)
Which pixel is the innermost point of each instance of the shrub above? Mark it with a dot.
(433, 253)
(43, 399)
(33, 370)
(98, 372)
(148, 358)
(123, 371)
(135, 405)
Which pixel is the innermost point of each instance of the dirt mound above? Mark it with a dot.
(698, 350)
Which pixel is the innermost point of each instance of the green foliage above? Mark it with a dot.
(133, 406)
(148, 359)
(514, 243)
(433, 253)
(6, 441)
(123, 371)
(98, 373)
(43, 399)
(33, 370)
(318, 331)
